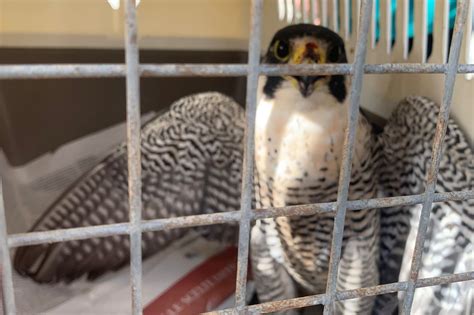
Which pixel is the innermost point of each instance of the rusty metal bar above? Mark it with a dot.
(8, 293)
(77, 71)
(63, 235)
(348, 150)
(248, 164)
(35, 238)
(432, 176)
(347, 295)
(134, 154)
(60, 71)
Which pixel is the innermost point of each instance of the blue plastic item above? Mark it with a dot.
(411, 31)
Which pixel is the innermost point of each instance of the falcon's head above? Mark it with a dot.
(306, 44)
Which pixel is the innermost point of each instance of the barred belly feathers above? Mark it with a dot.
(300, 128)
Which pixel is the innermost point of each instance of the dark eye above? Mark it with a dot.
(281, 50)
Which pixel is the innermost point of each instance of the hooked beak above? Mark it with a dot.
(308, 53)
(306, 84)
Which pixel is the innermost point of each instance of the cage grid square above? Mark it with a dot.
(132, 70)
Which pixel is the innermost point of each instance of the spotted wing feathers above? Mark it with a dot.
(191, 164)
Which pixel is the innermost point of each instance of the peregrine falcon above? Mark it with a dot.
(299, 135)
(192, 159)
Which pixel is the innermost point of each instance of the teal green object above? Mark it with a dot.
(411, 30)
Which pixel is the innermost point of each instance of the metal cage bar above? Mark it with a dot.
(347, 152)
(76, 71)
(132, 70)
(319, 299)
(248, 165)
(62, 235)
(8, 294)
(134, 154)
(432, 176)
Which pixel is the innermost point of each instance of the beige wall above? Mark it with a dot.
(191, 24)
(84, 17)
(94, 23)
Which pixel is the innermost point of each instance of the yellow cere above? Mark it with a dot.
(300, 47)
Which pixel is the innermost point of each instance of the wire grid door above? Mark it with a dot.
(132, 70)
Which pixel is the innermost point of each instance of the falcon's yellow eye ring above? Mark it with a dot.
(281, 50)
